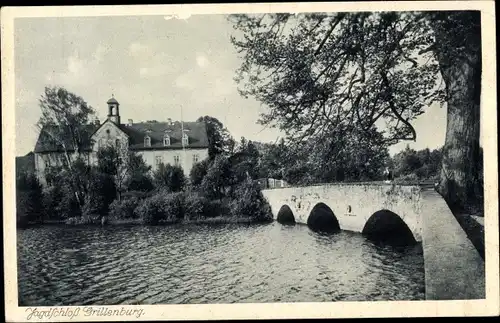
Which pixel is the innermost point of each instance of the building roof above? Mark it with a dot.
(196, 132)
(112, 100)
(45, 144)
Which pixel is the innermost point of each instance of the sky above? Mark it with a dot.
(156, 67)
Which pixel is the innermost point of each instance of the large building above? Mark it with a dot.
(175, 143)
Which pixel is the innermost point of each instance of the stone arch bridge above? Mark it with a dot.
(453, 267)
(356, 207)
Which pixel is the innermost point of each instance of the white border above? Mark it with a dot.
(489, 306)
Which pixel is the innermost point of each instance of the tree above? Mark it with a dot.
(199, 171)
(244, 162)
(101, 193)
(219, 139)
(64, 122)
(169, 177)
(121, 164)
(138, 178)
(218, 178)
(321, 72)
(29, 199)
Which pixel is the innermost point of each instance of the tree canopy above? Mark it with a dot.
(358, 72)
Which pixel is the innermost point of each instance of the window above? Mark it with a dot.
(147, 141)
(176, 161)
(195, 158)
(158, 160)
(166, 140)
(185, 140)
(118, 144)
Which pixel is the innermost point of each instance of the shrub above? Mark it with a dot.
(52, 197)
(123, 209)
(196, 207)
(161, 207)
(29, 199)
(218, 177)
(101, 193)
(139, 182)
(198, 172)
(169, 177)
(69, 206)
(135, 194)
(250, 202)
(409, 178)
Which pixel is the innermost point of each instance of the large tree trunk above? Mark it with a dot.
(458, 41)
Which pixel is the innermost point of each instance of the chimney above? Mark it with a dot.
(96, 121)
(169, 121)
(130, 121)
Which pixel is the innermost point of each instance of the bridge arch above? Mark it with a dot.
(285, 215)
(388, 227)
(323, 219)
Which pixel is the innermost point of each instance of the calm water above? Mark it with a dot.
(210, 264)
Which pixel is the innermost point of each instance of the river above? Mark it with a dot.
(196, 264)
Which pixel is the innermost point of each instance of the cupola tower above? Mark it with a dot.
(113, 110)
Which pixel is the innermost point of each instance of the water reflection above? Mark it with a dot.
(210, 264)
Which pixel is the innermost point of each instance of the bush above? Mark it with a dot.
(198, 172)
(161, 207)
(409, 178)
(169, 177)
(29, 200)
(123, 209)
(135, 194)
(52, 197)
(139, 182)
(250, 202)
(101, 193)
(197, 207)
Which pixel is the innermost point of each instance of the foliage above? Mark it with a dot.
(197, 207)
(162, 207)
(169, 177)
(123, 209)
(313, 70)
(63, 123)
(29, 199)
(424, 164)
(63, 120)
(244, 162)
(218, 178)
(139, 182)
(52, 197)
(250, 202)
(199, 171)
(138, 174)
(101, 193)
(324, 72)
(219, 139)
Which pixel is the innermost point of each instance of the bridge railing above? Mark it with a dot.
(422, 184)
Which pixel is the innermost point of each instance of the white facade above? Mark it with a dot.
(184, 158)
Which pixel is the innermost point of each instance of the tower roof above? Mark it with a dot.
(112, 100)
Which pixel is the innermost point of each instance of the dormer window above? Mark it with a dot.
(166, 140)
(185, 140)
(147, 141)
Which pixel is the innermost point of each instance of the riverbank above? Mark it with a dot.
(138, 222)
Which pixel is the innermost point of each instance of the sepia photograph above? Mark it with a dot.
(258, 156)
